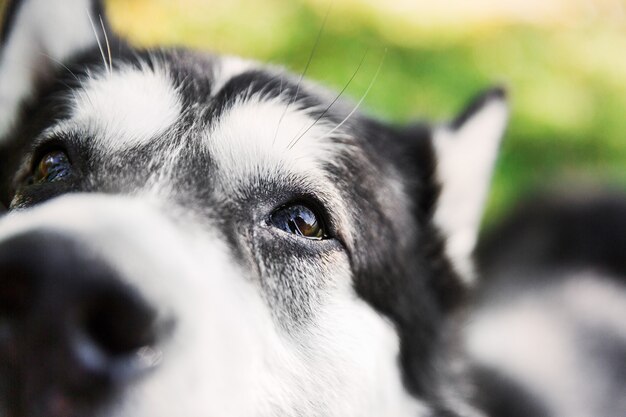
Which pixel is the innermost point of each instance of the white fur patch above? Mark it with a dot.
(127, 108)
(465, 161)
(44, 33)
(257, 133)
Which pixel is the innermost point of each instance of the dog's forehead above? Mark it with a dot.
(251, 119)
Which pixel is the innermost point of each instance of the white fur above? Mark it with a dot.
(256, 134)
(127, 108)
(45, 32)
(465, 162)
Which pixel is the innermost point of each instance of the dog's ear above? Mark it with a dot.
(466, 150)
(37, 36)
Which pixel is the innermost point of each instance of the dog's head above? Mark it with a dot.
(197, 235)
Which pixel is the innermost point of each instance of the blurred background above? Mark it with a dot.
(563, 61)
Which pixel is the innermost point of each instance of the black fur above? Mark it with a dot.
(560, 231)
(499, 396)
(477, 103)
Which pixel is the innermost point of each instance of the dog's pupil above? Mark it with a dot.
(306, 222)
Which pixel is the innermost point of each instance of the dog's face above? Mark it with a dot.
(199, 235)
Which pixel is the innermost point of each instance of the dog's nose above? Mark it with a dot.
(68, 323)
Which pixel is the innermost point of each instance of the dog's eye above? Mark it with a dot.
(53, 166)
(299, 220)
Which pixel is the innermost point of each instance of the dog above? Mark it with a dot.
(190, 234)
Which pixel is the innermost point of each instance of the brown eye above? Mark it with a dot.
(53, 166)
(299, 220)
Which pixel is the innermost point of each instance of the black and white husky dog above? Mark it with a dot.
(198, 235)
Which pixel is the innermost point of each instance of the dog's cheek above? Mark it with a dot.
(347, 351)
(296, 275)
(353, 354)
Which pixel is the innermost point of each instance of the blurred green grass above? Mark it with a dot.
(564, 62)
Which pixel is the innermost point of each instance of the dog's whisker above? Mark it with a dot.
(356, 107)
(306, 69)
(106, 38)
(95, 32)
(332, 103)
(56, 61)
(80, 81)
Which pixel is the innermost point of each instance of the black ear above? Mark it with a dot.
(466, 150)
(37, 36)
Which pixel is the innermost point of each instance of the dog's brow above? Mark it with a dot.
(125, 108)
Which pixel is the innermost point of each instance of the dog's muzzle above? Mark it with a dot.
(113, 306)
(72, 333)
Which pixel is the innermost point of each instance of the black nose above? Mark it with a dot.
(70, 329)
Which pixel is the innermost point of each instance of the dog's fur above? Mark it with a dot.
(179, 163)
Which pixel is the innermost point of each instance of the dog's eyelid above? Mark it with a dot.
(60, 135)
(49, 136)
